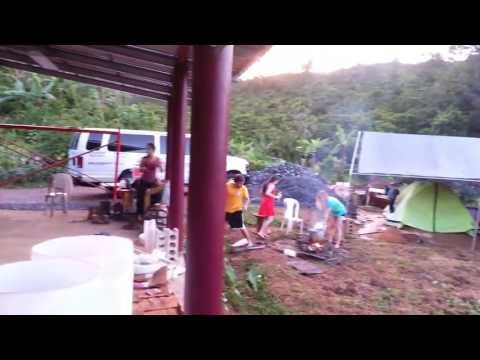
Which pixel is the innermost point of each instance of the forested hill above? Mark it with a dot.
(308, 117)
(292, 116)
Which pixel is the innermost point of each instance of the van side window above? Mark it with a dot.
(94, 141)
(163, 145)
(74, 141)
(131, 143)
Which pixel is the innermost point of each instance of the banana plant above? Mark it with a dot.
(340, 151)
(29, 89)
(309, 147)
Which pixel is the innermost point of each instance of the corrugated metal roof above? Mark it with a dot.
(138, 69)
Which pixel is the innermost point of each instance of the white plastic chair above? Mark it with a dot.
(61, 185)
(291, 215)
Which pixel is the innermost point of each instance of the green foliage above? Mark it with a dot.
(256, 154)
(307, 117)
(308, 148)
(31, 88)
(27, 98)
(254, 278)
(250, 295)
(260, 300)
(314, 118)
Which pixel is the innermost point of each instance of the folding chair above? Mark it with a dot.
(60, 186)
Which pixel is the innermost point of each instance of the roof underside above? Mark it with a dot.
(144, 70)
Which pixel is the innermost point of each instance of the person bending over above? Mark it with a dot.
(236, 202)
(334, 212)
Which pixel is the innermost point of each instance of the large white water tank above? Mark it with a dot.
(114, 255)
(50, 287)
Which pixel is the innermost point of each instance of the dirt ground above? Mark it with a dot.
(34, 198)
(20, 230)
(389, 272)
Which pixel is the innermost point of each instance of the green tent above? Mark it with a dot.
(431, 207)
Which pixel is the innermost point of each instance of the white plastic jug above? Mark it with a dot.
(150, 235)
(114, 255)
(50, 287)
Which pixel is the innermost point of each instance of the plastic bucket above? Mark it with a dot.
(50, 287)
(114, 255)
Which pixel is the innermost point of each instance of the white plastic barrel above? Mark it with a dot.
(114, 255)
(50, 287)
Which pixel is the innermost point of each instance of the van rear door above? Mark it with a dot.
(96, 163)
(163, 156)
(73, 150)
(132, 150)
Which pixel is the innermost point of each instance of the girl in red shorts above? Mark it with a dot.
(267, 204)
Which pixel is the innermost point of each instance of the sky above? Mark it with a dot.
(282, 59)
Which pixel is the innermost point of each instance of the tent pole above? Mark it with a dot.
(350, 176)
(477, 219)
(354, 157)
(435, 199)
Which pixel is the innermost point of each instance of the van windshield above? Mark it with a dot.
(131, 143)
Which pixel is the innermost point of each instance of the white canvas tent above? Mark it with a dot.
(417, 156)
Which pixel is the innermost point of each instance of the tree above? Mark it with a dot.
(308, 118)
(309, 147)
(341, 153)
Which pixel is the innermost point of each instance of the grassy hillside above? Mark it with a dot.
(306, 118)
(315, 117)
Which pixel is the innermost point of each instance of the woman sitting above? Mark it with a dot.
(149, 166)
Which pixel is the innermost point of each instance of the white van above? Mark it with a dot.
(99, 166)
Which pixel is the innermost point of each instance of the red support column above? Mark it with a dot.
(170, 115)
(117, 159)
(212, 71)
(176, 211)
